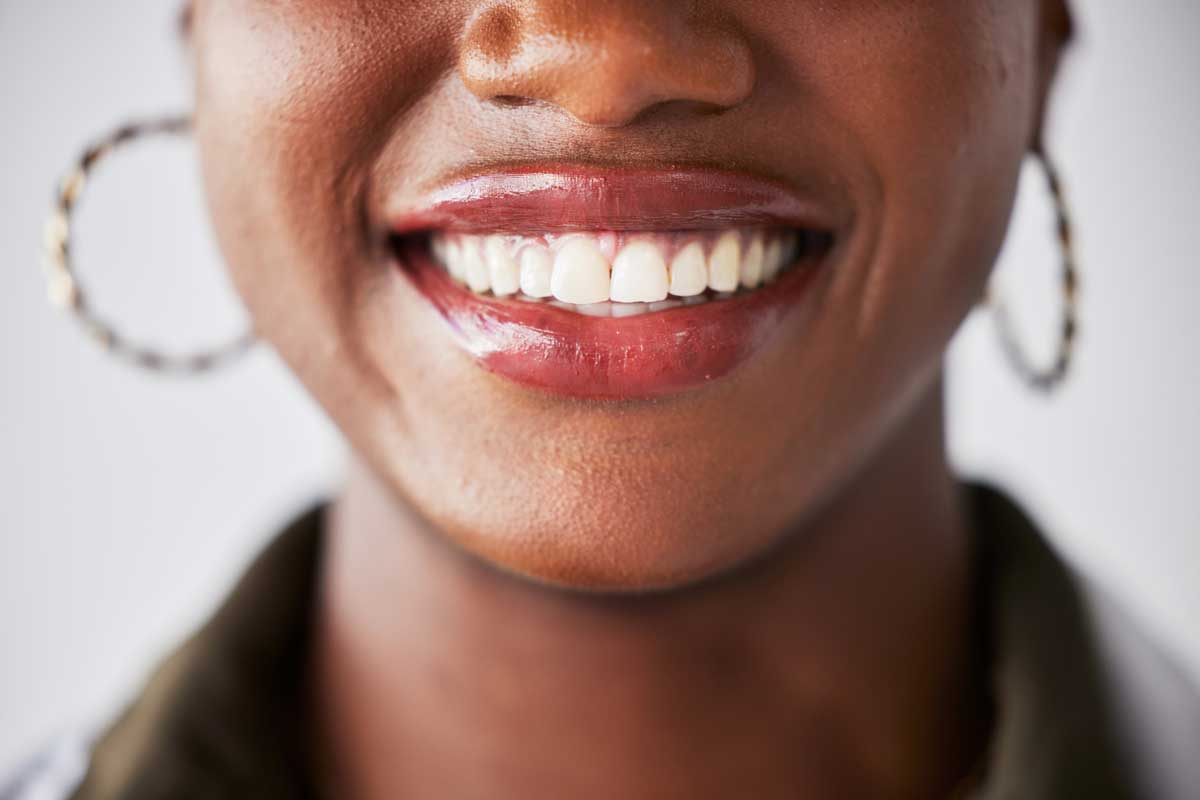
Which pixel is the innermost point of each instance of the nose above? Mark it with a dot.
(605, 62)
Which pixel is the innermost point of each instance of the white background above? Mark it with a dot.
(128, 503)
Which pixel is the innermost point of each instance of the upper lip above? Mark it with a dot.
(562, 198)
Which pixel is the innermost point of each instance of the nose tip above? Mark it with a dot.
(605, 64)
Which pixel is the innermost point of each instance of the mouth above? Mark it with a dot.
(614, 285)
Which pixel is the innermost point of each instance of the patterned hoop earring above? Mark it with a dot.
(1046, 379)
(65, 289)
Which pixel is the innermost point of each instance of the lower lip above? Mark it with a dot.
(574, 355)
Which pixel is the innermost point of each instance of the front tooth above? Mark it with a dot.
(725, 264)
(580, 273)
(773, 260)
(639, 274)
(537, 266)
(503, 271)
(752, 264)
(689, 272)
(474, 265)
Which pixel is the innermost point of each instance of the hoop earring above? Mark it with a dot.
(64, 286)
(1047, 379)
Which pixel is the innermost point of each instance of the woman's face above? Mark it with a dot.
(356, 152)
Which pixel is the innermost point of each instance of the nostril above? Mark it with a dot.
(605, 64)
(511, 100)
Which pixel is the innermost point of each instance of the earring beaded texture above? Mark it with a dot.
(1047, 379)
(65, 289)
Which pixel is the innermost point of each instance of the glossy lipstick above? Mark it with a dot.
(555, 349)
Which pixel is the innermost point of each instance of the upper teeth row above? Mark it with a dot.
(592, 268)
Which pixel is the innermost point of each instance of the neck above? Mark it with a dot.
(839, 666)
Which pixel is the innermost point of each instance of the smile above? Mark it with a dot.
(612, 274)
(614, 286)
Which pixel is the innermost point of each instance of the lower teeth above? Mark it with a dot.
(619, 310)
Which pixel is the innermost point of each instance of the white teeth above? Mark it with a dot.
(573, 270)
(537, 266)
(454, 261)
(780, 253)
(724, 264)
(503, 271)
(438, 247)
(639, 274)
(773, 260)
(752, 263)
(689, 272)
(475, 268)
(580, 273)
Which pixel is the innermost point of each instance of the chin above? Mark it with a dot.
(587, 511)
(633, 552)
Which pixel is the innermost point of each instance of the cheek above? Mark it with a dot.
(946, 125)
(938, 103)
(293, 103)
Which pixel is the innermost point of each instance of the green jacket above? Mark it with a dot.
(1086, 708)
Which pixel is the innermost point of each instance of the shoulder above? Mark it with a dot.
(213, 718)
(1087, 704)
(54, 774)
(1155, 704)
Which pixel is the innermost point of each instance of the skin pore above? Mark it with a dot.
(757, 588)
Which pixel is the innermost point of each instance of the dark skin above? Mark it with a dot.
(759, 588)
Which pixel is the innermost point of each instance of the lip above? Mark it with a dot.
(573, 355)
(565, 198)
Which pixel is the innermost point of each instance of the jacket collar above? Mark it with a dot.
(224, 716)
